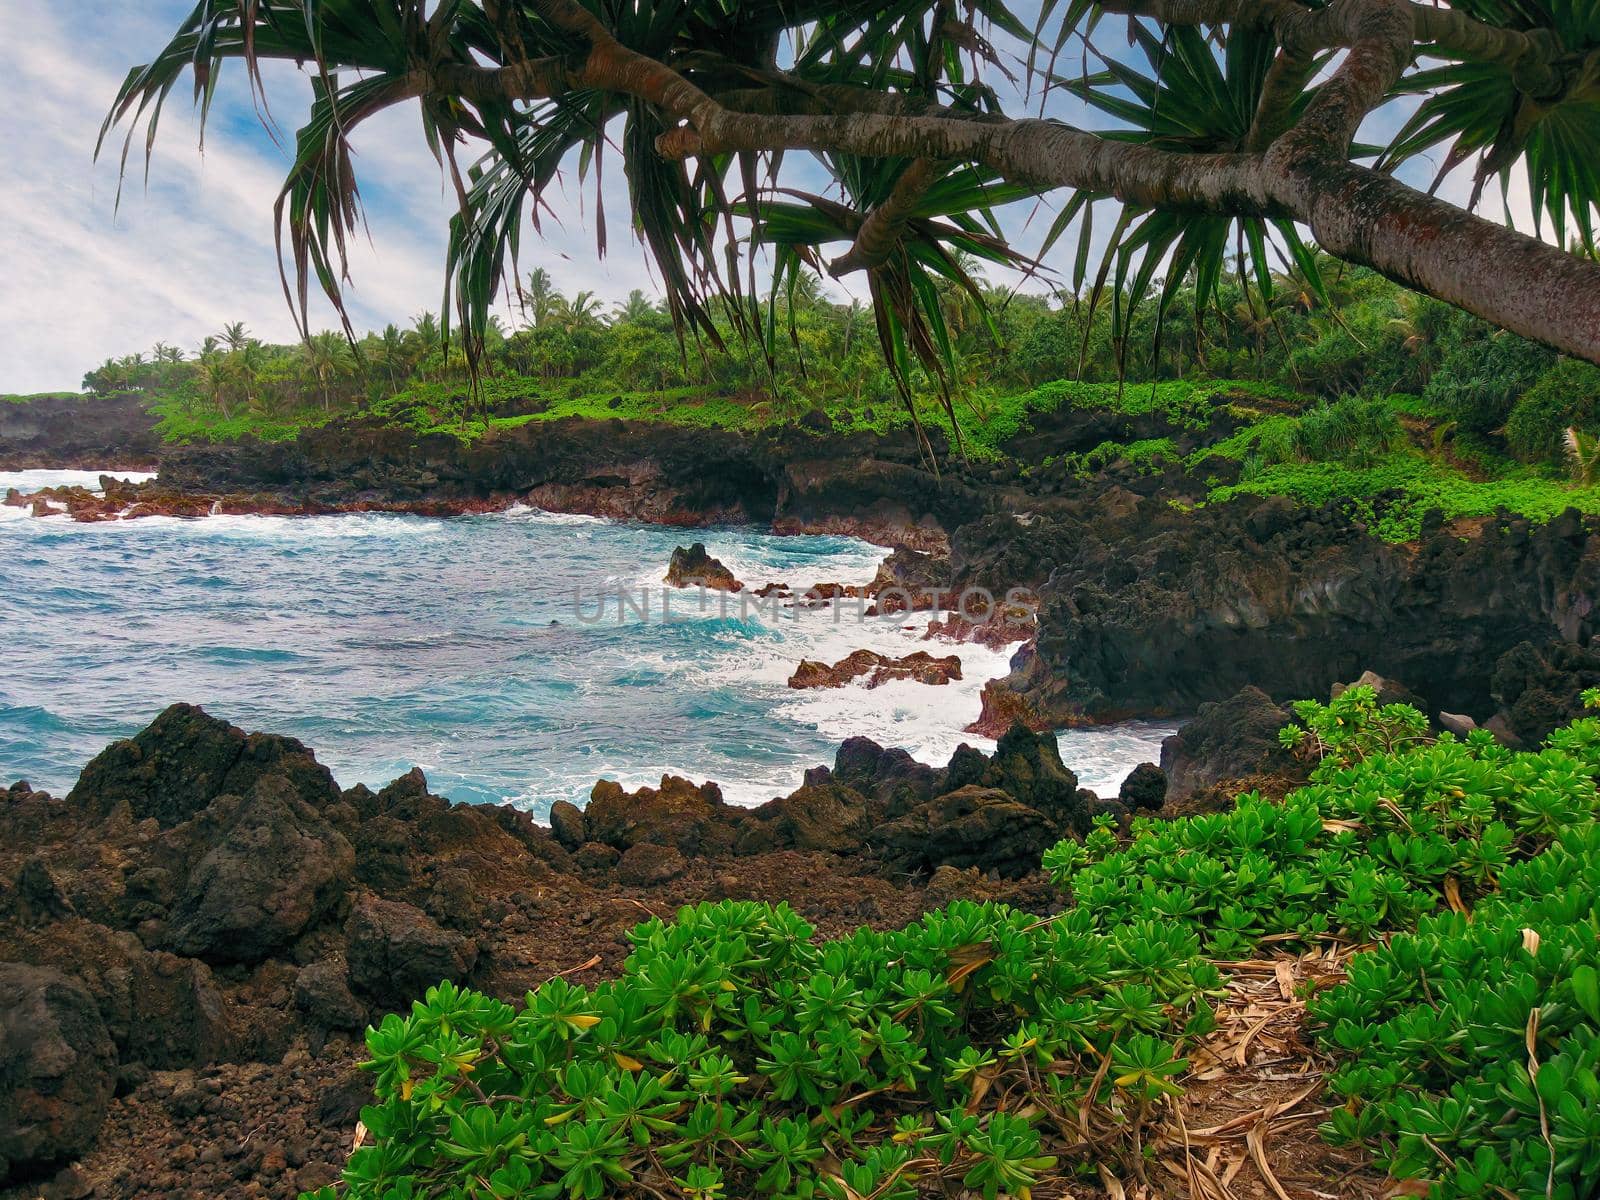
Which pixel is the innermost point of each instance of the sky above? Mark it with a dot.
(192, 250)
(84, 278)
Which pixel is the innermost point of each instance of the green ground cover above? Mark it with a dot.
(985, 1048)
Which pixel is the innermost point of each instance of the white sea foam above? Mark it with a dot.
(32, 481)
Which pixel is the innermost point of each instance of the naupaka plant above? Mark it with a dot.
(735, 1056)
(989, 1049)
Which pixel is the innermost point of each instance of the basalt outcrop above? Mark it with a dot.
(877, 669)
(210, 904)
(692, 566)
(79, 432)
(1142, 598)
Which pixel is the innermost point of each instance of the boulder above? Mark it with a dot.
(878, 669)
(185, 759)
(1539, 687)
(646, 864)
(274, 869)
(57, 1068)
(396, 951)
(890, 778)
(567, 823)
(691, 566)
(1144, 788)
(1228, 739)
(1027, 766)
(819, 816)
(691, 819)
(322, 992)
(1389, 691)
(1457, 723)
(970, 827)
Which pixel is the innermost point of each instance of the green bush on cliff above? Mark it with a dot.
(1393, 493)
(976, 1047)
(1469, 1049)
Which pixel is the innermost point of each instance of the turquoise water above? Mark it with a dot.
(475, 648)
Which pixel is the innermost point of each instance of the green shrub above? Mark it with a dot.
(734, 1056)
(733, 1052)
(1393, 493)
(1482, 373)
(1567, 394)
(1472, 1045)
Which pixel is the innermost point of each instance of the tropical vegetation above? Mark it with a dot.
(890, 143)
(985, 1048)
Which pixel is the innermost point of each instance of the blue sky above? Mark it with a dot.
(194, 250)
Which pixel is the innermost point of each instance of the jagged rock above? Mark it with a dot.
(1539, 687)
(1145, 787)
(822, 816)
(878, 668)
(1388, 690)
(396, 951)
(692, 819)
(69, 1183)
(185, 759)
(1001, 707)
(890, 778)
(39, 898)
(970, 827)
(691, 566)
(645, 865)
(567, 823)
(275, 868)
(1158, 611)
(161, 1010)
(322, 992)
(1027, 766)
(57, 1068)
(595, 856)
(1230, 739)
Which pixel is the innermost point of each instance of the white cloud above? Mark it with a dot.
(85, 279)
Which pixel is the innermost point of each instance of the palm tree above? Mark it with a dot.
(325, 355)
(216, 374)
(1583, 455)
(235, 335)
(392, 352)
(247, 362)
(163, 353)
(638, 309)
(427, 336)
(542, 298)
(581, 312)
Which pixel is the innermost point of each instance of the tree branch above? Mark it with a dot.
(880, 232)
(1305, 30)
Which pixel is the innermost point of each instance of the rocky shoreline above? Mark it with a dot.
(198, 932)
(200, 929)
(1149, 601)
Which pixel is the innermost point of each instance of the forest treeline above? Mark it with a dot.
(1363, 336)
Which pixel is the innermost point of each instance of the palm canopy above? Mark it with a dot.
(1223, 127)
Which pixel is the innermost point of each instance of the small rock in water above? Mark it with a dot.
(691, 566)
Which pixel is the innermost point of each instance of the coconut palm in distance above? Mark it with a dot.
(1225, 124)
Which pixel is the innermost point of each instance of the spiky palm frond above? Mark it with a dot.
(951, 225)
(1495, 112)
(1193, 99)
